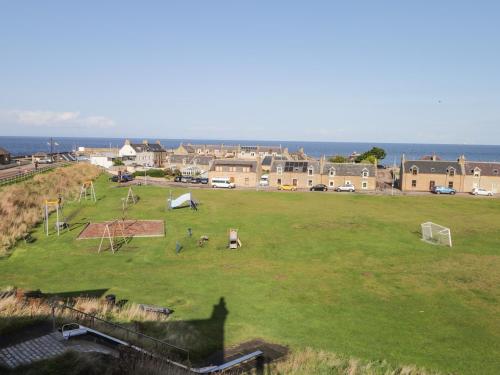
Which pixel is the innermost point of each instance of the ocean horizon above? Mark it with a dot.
(27, 145)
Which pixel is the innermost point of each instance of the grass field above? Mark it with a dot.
(339, 272)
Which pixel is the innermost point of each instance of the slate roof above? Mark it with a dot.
(235, 163)
(487, 168)
(350, 169)
(4, 151)
(433, 167)
(295, 166)
(150, 147)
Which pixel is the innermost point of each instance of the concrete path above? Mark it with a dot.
(44, 347)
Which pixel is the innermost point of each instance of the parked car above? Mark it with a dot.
(287, 187)
(443, 190)
(123, 178)
(204, 180)
(319, 187)
(346, 187)
(195, 180)
(177, 178)
(481, 191)
(264, 180)
(186, 179)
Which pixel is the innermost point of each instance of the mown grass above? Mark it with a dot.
(337, 272)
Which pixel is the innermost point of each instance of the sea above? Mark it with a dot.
(19, 146)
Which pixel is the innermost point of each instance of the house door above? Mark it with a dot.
(294, 182)
(432, 184)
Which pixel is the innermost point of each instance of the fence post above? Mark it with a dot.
(53, 318)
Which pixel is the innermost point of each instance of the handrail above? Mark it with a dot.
(185, 351)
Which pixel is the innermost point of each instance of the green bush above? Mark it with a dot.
(151, 173)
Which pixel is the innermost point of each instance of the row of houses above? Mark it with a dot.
(461, 174)
(301, 174)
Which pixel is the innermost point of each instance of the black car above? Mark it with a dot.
(177, 179)
(195, 180)
(122, 178)
(319, 187)
(204, 180)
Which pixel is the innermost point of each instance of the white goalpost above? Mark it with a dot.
(436, 234)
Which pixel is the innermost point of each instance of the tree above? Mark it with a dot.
(338, 159)
(117, 162)
(370, 159)
(377, 152)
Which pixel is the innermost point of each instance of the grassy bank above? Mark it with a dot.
(341, 273)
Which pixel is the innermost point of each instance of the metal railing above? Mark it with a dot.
(170, 351)
(25, 175)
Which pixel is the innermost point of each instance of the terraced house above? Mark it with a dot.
(461, 175)
(305, 174)
(241, 172)
(143, 154)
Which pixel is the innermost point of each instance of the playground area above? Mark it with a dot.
(347, 274)
(131, 228)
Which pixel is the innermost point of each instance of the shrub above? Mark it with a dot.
(150, 173)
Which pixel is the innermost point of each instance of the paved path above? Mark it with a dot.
(43, 347)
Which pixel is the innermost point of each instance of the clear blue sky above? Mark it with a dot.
(395, 71)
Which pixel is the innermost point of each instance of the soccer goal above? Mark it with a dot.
(436, 234)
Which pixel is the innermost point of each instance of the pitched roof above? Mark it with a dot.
(486, 168)
(295, 166)
(433, 167)
(149, 147)
(4, 151)
(235, 163)
(349, 169)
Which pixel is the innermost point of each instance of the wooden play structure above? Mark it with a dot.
(87, 191)
(60, 221)
(131, 198)
(112, 231)
(234, 240)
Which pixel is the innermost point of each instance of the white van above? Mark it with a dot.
(264, 180)
(222, 182)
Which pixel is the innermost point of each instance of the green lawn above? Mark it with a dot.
(341, 272)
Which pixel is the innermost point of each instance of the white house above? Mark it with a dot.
(103, 160)
(145, 154)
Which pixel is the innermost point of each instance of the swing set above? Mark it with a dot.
(87, 191)
(60, 220)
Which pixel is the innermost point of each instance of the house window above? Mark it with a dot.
(309, 182)
(495, 171)
(279, 169)
(199, 151)
(451, 172)
(310, 171)
(477, 172)
(413, 183)
(331, 172)
(365, 173)
(294, 182)
(330, 183)
(364, 185)
(450, 184)
(278, 182)
(252, 154)
(414, 170)
(348, 182)
(247, 181)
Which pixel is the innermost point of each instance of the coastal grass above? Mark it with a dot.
(343, 273)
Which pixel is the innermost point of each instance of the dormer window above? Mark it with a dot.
(477, 172)
(414, 170)
(331, 172)
(365, 173)
(433, 169)
(451, 171)
(495, 171)
(310, 171)
(279, 169)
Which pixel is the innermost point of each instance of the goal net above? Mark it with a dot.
(436, 234)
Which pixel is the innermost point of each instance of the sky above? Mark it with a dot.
(361, 71)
